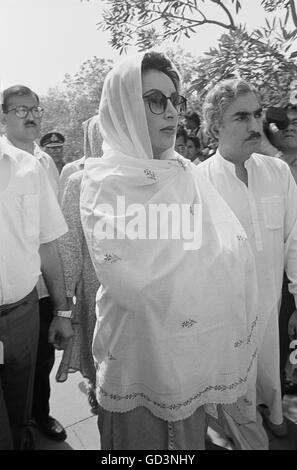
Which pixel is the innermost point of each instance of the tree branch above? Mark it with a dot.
(218, 2)
(293, 11)
(192, 22)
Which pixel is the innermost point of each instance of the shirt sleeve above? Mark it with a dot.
(52, 222)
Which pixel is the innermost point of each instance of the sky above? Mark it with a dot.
(42, 40)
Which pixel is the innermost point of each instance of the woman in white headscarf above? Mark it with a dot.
(176, 310)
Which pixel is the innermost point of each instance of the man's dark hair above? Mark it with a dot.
(16, 90)
(158, 61)
(193, 117)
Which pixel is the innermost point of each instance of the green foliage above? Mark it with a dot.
(67, 109)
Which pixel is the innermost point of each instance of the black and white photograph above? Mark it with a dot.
(148, 228)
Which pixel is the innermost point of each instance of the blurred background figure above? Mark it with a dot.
(281, 137)
(193, 123)
(181, 141)
(80, 279)
(52, 143)
(193, 149)
(92, 147)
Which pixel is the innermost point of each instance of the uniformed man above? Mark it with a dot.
(53, 144)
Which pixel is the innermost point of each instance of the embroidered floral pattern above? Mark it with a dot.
(177, 406)
(110, 356)
(252, 329)
(111, 258)
(181, 163)
(150, 174)
(188, 323)
(240, 342)
(248, 402)
(241, 238)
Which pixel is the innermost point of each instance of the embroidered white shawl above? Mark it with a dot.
(176, 328)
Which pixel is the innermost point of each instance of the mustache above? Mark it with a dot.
(30, 123)
(254, 135)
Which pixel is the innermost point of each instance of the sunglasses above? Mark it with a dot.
(23, 111)
(157, 102)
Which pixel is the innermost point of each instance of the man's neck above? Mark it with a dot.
(26, 146)
(240, 169)
(289, 155)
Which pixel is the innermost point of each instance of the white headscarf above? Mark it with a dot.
(176, 328)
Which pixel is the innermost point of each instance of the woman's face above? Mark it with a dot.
(192, 151)
(161, 127)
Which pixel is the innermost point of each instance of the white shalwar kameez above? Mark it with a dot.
(267, 210)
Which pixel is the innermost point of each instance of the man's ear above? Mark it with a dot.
(214, 130)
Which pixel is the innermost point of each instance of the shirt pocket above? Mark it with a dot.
(273, 212)
(30, 215)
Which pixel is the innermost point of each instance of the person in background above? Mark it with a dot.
(164, 337)
(23, 116)
(80, 278)
(92, 147)
(53, 145)
(285, 142)
(31, 222)
(262, 194)
(193, 149)
(181, 141)
(193, 123)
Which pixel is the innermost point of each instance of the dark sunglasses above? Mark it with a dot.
(157, 102)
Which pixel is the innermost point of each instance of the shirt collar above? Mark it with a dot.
(223, 163)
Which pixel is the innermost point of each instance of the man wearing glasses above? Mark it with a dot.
(23, 115)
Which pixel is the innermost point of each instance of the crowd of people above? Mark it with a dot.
(163, 263)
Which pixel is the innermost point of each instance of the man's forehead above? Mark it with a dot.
(247, 103)
(20, 100)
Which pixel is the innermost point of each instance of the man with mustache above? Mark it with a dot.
(23, 116)
(262, 193)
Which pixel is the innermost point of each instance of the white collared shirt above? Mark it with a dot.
(46, 162)
(267, 210)
(30, 215)
(50, 168)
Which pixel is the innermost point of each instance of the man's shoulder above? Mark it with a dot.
(75, 164)
(270, 162)
(18, 155)
(41, 154)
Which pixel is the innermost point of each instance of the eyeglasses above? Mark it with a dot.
(23, 111)
(157, 102)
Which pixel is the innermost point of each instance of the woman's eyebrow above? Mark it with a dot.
(153, 90)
